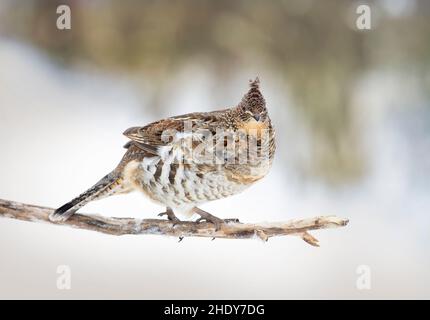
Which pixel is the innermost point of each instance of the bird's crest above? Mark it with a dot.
(253, 98)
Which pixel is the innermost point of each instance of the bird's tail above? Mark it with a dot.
(107, 186)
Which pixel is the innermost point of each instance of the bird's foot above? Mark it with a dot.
(217, 222)
(206, 216)
(170, 215)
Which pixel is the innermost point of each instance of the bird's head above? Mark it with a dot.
(252, 110)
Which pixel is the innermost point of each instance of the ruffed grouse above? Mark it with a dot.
(184, 161)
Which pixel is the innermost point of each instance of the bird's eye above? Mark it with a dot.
(249, 115)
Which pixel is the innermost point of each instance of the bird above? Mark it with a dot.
(184, 161)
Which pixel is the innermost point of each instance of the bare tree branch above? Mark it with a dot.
(122, 226)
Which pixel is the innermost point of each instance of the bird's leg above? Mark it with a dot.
(170, 215)
(206, 216)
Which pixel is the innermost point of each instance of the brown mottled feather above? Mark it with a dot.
(148, 163)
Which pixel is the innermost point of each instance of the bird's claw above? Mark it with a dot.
(170, 217)
(217, 222)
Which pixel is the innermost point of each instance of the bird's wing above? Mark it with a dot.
(169, 131)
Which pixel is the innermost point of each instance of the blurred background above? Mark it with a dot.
(351, 108)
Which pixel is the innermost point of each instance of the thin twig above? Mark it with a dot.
(122, 226)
